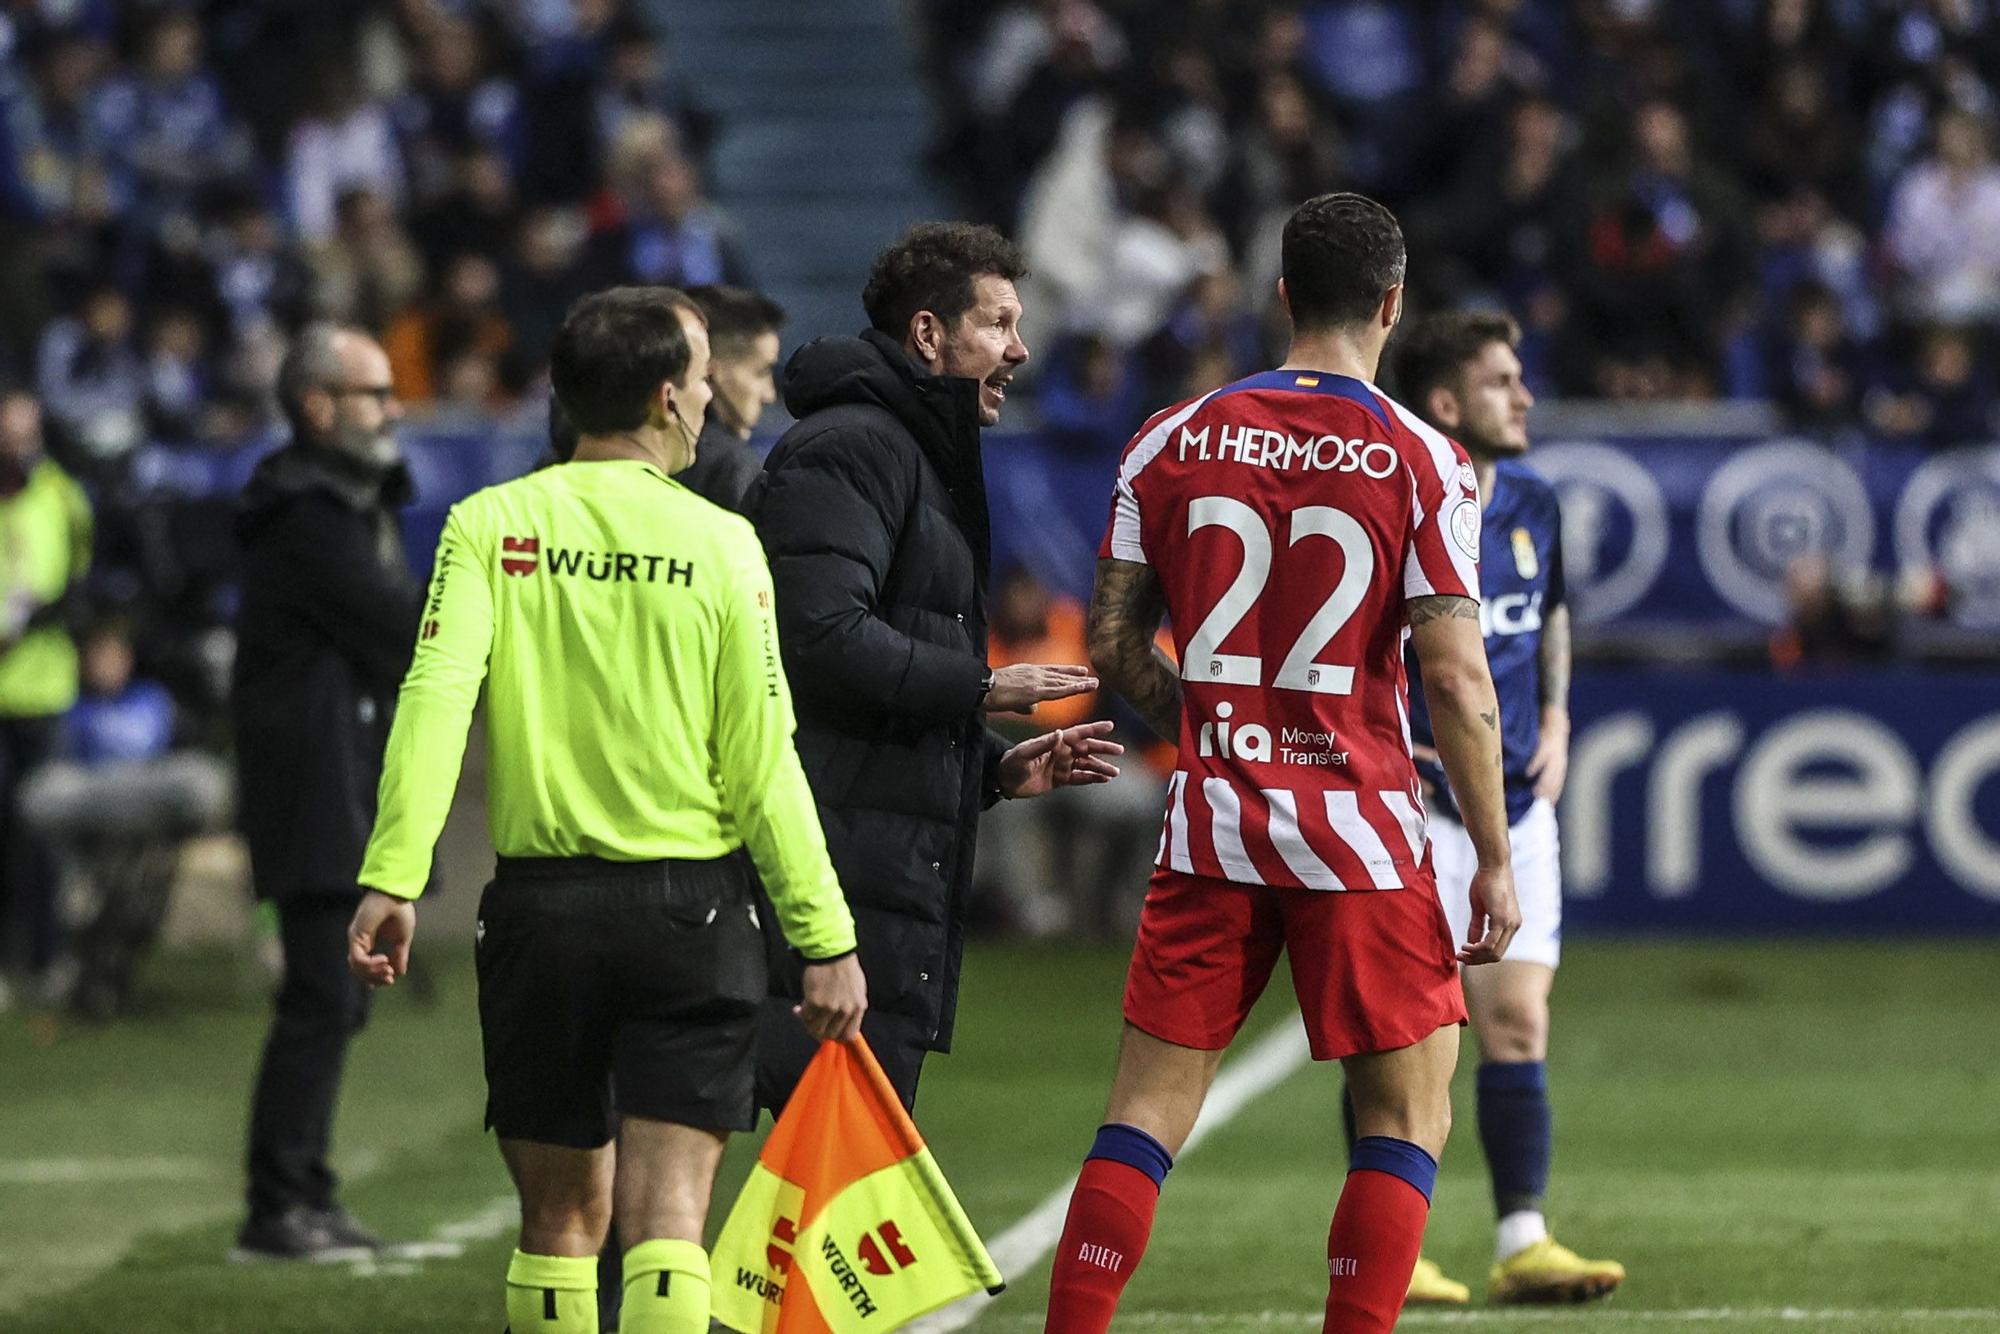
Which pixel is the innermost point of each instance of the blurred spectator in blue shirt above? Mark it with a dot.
(91, 379)
(344, 142)
(455, 105)
(1944, 225)
(1817, 368)
(55, 145)
(1945, 398)
(655, 225)
(165, 124)
(117, 803)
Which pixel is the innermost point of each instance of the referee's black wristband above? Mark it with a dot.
(831, 958)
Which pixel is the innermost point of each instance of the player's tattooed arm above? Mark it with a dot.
(1125, 613)
(1424, 610)
(1555, 659)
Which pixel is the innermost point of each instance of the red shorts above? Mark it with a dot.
(1374, 969)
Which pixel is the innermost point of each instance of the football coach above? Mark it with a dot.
(872, 509)
(641, 738)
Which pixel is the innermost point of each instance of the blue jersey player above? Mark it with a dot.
(1461, 373)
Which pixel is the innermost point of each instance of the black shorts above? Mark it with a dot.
(641, 978)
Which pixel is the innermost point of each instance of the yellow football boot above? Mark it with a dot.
(1429, 1287)
(1551, 1274)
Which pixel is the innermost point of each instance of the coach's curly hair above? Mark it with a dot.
(932, 267)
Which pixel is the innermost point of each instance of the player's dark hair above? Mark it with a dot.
(933, 267)
(1341, 255)
(1435, 351)
(737, 317)
(614, 351)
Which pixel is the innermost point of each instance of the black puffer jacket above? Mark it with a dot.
(328, 620)
(872, 509)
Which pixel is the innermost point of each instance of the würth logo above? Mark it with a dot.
(430, 630)
(520, 555)
(886, 1255)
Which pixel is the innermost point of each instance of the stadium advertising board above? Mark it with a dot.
(1657, 531)
(1703, 800)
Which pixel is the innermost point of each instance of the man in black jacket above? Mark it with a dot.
(872, 510)
(743, 352)
(329, 617)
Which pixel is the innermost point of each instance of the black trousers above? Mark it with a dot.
(784, 1048)
(29, 930)
(319, 1007)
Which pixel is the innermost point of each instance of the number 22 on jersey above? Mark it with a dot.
(1300, 670)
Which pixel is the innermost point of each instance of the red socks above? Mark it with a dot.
(1110, 1217)
(1371, 1249)
(1377, 1233)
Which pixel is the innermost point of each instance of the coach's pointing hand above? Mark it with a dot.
(836, 996)
(386, 923)
(1019, 688)
(1069, 757)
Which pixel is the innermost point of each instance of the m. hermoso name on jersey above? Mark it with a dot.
(1265, 448)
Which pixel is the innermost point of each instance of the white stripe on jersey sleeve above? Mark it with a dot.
(1445, 459)
(1174, 843)
(1291, 843)
(1410, 819)
(1351, 828)
(1125, 540)
(1225, 823)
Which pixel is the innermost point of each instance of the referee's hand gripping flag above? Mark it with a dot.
(846, 1224)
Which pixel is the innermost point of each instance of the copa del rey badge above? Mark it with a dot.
(1465, 527)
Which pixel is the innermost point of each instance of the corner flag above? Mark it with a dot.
(846, 1224)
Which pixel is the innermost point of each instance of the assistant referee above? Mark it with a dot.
(640, 733)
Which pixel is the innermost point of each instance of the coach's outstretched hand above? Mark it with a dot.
(386, 924)
(1496, 916)
(1068, 757)
(836, 996)
(1019, 688)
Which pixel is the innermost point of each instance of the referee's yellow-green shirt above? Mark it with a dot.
(636, 709)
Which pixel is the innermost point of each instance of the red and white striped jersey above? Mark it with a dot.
(1289, 517)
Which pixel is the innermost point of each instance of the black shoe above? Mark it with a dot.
(296, 1233)
(346, 1229)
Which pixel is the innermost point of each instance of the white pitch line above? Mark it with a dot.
(1595, 1315)
(88, 1171)
(447, 1241)
(1262, 1067)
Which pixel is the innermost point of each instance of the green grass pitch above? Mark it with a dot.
(1771, 1135)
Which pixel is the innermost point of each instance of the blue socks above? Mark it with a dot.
(1119, 1143)
(1398, 1158)
(1516, 1129)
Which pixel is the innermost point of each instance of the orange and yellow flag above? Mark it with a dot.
(846, 1224)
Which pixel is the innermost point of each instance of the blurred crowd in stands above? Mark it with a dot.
(1792, 200)
(183, 184)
